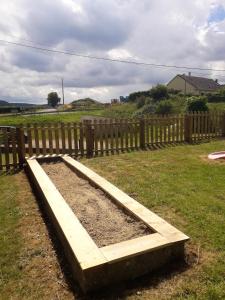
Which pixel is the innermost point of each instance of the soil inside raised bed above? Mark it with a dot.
(105, 222)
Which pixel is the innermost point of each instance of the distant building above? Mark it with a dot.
(193, 85)
(124, 99)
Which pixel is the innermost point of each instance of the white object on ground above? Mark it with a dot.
(217, 155)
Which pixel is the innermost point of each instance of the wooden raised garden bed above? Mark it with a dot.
(107, 236)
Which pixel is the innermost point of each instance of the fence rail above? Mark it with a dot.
(91, 138)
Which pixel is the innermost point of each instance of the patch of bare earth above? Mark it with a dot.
(45, 273)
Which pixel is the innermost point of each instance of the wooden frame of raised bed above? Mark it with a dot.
(94, 267)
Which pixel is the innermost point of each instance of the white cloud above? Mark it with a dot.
(171, 32)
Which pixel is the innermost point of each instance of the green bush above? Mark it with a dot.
(197, 104)
(159, 92)
(165, 107)
(145, 110)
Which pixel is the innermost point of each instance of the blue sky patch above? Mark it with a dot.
(217, 14)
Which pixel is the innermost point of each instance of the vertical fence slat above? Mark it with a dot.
(165, 118)
(121, 130)
(169, 129)
(116, 135)
(81, 138)
(36, 139)
(95, 125)
(126, 125)
(43, 139)
(173, 129)
(56, 129)
(199, 126)
(182, 128)
(206, 124)
(14, 148)
(147, 137)
(151, 134)
(63, 138)
(75, 137)
(1, 158)
(107, 134)
(6, 144)
(50, 141)
(21, 145)
(131, 134)
(29, 140)
(112, 135)
(194, 126)
(70, 151)
(101, 137)
(160, 129)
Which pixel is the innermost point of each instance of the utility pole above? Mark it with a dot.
(63, 91)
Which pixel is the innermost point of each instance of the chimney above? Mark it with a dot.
(189, 74)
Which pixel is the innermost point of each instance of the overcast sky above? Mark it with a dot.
(171, 32)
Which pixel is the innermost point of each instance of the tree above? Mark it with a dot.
(53, 99)
(134, 96)
(159, 92)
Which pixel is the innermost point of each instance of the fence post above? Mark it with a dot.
(142, 133)
(89, 139)
(223, 124)
(20, 145)
(188, 128)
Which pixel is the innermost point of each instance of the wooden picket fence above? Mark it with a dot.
(105, 136)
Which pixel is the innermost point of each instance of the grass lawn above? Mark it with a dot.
(217, 106)
(47, 118)
(178, 183)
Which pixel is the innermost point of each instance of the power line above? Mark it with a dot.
(109, 59)
(36, 43)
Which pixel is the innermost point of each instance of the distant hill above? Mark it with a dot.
(86, 102)
(5, 103)
(16, 104)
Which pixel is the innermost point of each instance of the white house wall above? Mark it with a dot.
(178, 83)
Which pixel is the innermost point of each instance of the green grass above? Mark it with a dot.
(47, 118)
(179, 184)
(10, 242)
(217, 106)
(185, 188)
(120, 111)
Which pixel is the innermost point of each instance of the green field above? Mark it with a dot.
(178, 183)
(47, 118)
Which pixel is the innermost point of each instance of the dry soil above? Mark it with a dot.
(105, 222)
